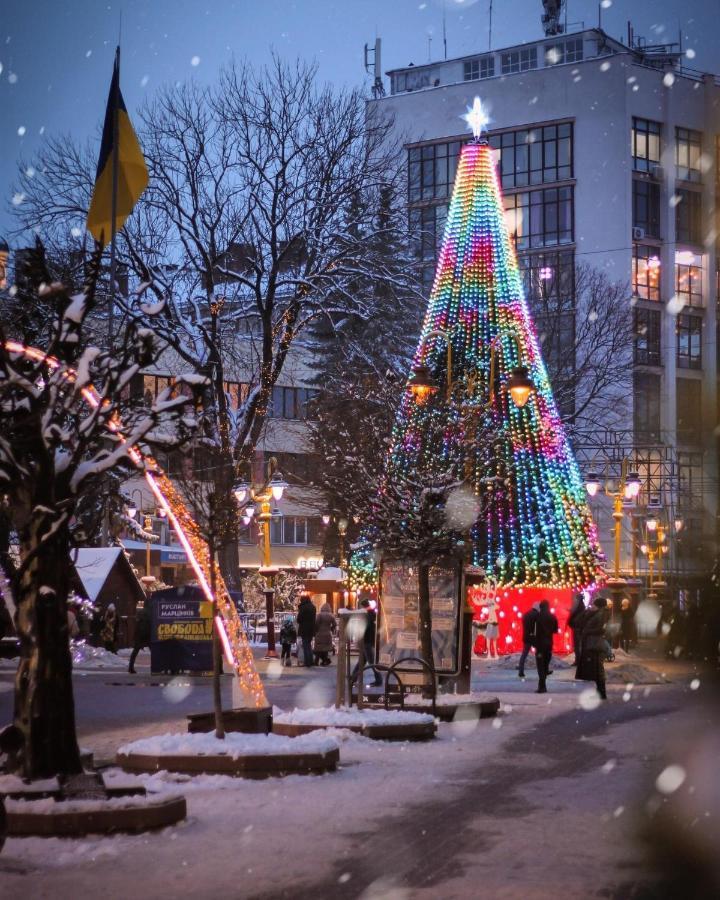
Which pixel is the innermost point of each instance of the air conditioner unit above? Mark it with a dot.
(638, 233)
(656, 170)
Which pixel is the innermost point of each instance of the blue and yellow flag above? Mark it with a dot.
(132, 173)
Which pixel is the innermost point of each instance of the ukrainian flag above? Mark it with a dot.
(132, 173)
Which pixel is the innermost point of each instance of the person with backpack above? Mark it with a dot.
(306, 627)
(288, 636)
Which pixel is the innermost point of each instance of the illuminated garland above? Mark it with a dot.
(537, 529)
(229, 625)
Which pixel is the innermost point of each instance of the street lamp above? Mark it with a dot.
(342, 527)
(627, 488)
(272, 489)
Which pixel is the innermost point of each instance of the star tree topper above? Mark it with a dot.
(477, 118)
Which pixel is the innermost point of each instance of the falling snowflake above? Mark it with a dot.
(195, 61)
(21, 130)
(604, 66)
(690, 53)
(589, 699)
(18, 199)
(668, 79)
(144, 80)
(670, 779)
(12, 78)
(694, 684)
(76, 232)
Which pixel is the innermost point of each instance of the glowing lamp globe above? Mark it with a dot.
(651, 523)
(326, 519)
(632, 485)
(678, 524)
(520, 386)
(592, 483)
(277, 486)
(240, 491)
(422, 385)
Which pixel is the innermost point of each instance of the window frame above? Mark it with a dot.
(688, 146)
(645, 129)
(648, 193)
(643, 285)
(483, 65)
(523, 59)
(647, 345)
(688, 341)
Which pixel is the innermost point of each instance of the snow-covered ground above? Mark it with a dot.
(349, 718)
(233, 745)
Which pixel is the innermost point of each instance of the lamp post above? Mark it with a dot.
(627, 489)
(342, 527)
(272, 489)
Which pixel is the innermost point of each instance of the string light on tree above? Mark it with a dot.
(537, 528)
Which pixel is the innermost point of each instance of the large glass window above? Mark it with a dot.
(688, 217)
(646, 405)
(646, 344)
(688, 278)
(646, 272)
(289, 530)
(290, 402)
(535, 155)
(689, 341)
(564, 52)
(482, 67)
(688, 149)
(431, 171)
(646, 207)
(540, 218)
(645, 145)
(689, 410)
(519, 60)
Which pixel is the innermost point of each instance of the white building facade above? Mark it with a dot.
(608, 155)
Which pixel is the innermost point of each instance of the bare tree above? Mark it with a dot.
(60, 410)
(260, 220)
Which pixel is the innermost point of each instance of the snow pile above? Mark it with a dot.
(234, 745)
(633, 673)
(349, 718)
(50, 805)
(86, 657)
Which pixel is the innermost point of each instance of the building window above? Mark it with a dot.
(569, 51)
(645, 145)
(292, 530)
(688, 217)
(290, 402)
(646, 207)
(688, 278)
(689, 341)
(548, 278)
(519, 60)
(431, 171)
(540, 218)
(688, 150)
(646, 344)
(410, 81)
(645, 272)
(689, 410)
(646, 405)
(535, 155)
(483, 67)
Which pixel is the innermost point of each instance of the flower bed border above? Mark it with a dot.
(247, 766)
(413, 731)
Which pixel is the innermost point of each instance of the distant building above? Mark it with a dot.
(607, 154)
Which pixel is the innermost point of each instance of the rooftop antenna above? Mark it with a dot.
(373, 66)
(429, 48)
(490, 27)
(444, 31)
(551, 17)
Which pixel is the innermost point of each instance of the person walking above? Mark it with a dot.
(575, 619)
(593, 646)
(306, 627)
(627, 624)
(325, 627)
(491, 632)
(367, 644)
(545, 629)
(141, 638)
(288, 636)
(529, 626)
(110, 628)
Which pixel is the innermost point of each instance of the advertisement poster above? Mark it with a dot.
(181, 637)
(399, 615)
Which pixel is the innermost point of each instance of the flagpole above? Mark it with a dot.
(113, 199)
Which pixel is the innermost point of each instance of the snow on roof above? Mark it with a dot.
(93, 565)
(330, 573)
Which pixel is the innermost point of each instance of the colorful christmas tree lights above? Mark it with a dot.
(536, 527)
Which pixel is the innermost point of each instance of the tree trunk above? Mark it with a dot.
(216, 650)
(44, 705)
(425, 621)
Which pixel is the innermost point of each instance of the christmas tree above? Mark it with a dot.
(533, 525)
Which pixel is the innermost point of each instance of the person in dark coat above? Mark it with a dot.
(288, 636)
(306, 627)
(545, 628)
(368, 644)
(529, 625)
(575, 619)
(627, 625)
(593, 646)
(325, 626)
(141, 637)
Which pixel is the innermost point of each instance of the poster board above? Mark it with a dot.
(182, 628)
(399, 619)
